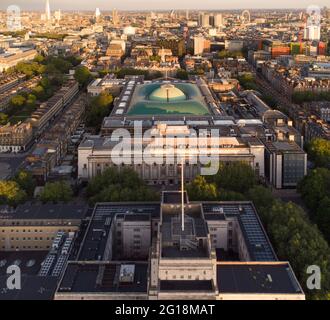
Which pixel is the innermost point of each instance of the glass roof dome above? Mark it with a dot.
(167, 93)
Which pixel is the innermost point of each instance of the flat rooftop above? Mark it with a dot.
(30, 211)
(82, 278)
(94, 243)
(256, 239)
(33, 287)
(257, 278)
(28, 261)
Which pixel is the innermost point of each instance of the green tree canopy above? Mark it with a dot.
(26, 182)
(314, 187)
(30, 69)
(99, 108)
(299, 242)
(294, 237)
(39, 92)
(56, 192)
(3, 118)
(323, 217)
(182, 74)
(17, 101)
(39, 58)
(31, 101)
(319, 152)
(235, 176)
(114, 185)
(248, 81)
(229, 54)
(82, 75)
(201, 190)
(10, 193)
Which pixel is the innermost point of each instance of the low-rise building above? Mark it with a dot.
(177, 251)
(15, 138)
(285, 164)
(11, 59)
(48, 111)
(33, 227)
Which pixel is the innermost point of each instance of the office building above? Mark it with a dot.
(213, 251)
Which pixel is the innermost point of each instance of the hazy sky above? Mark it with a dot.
(160, 4)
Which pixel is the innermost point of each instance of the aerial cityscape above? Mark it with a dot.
(156, 152)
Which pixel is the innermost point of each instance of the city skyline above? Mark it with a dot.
(164, 151)
(39, 5)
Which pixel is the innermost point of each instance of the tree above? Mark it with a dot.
(155, 58)
(75, 61)
(17, 101)
(248, 81)
(31, 101)
(59, 64)
(3, 118)
(323, 217)
(114, 185)
(262, 197)
(39, 92)
(228, 54)
(10, 193)
(315, 187)
(30, 69)
(99, 108)
(298, 241)
(200, 190)
(182, 74)
(235, 176)
(121, 73)
(82, 75)
(56, 191)
(26, 182)
(39, 58)
(319, 152)
(308, 96)
(227, 195)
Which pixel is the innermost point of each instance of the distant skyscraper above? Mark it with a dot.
(313, 26)
(57, 15)
(218, 20)
(115, 17)
(148, 21)
(198, 45)
(204, 20)
(47, 11)
(312, 33)
(97, 13)
(187, 15)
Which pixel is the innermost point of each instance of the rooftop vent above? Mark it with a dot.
(127, 272)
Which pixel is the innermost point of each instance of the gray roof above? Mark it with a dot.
(251, 278)
(30, 211)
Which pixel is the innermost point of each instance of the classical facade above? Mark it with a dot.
(96, 153)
